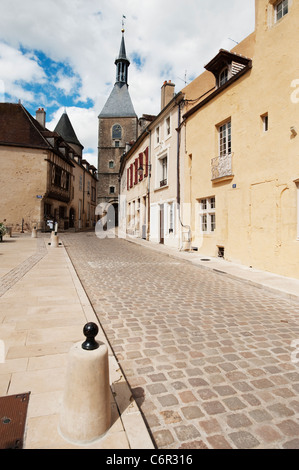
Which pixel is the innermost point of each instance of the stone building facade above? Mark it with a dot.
(39, 172)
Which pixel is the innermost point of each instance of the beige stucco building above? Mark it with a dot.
(43, 178)
(241, 178)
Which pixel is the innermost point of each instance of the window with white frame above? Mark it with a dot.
(167, 127)
(162, 171)
(171, 218)
(225, 139)
(281, 9)
(157, 136)
(207, 213)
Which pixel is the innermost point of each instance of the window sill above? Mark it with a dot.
(222, 179)
(207, 234)
(161, 189)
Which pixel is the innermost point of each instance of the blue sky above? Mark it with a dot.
(60, 54)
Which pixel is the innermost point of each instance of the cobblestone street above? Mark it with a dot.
(209, 359)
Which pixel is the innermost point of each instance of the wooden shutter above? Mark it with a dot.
(131, 175)
(141, 165)
(136, 171)
(146, 162)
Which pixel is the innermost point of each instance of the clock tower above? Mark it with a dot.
(118, 125)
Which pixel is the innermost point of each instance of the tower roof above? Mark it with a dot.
(119, 103)
(66, 130)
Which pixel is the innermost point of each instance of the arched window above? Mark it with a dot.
(116, 132)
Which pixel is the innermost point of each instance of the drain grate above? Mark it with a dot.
(13, 412)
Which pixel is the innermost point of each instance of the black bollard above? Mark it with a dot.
(90, 330)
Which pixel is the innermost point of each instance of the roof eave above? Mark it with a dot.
(218, 91)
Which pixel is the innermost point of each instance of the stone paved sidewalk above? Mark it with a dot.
(8, 280)
(211, 361)
(43, 309)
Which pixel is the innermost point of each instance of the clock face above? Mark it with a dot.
(116, 132)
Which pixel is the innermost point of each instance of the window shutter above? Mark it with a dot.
(146, 162)
(128, 179)
(131, 175)
(141, 165)
(136, 171)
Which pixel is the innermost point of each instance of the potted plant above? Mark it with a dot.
(2, 230)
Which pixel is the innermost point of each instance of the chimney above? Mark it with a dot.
(41, 117)
(167, 93)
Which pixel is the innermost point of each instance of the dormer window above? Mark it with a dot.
(281, 9)
(227, 65)
(223, 77)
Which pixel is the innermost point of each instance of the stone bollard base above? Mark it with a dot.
(34, 233)
(86, 409)
(54, 240)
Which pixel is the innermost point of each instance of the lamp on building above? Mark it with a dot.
(141, 169)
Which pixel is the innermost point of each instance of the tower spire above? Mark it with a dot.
(122, 62)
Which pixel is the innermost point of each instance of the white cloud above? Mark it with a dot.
(67, 84)
(17, 69)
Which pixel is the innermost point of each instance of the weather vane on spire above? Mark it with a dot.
(123, 24)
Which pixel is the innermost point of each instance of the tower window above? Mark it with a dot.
(111, 164)
(116, 132)
(112, 190)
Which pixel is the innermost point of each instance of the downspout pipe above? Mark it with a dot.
(178, 177)
(178, 197)
(149, 184)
